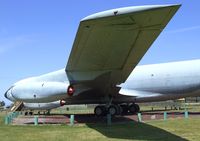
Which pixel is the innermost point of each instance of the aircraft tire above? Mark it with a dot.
(119, 110)
(125, 109)
(100, 110)
(137, 108)
(132, 108)
(113, 110)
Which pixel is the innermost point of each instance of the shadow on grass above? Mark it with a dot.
(125, 128)
(136, 131)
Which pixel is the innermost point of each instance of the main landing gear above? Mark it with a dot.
(115, 109)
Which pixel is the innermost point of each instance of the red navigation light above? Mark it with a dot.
(62, 102)
(70, 90)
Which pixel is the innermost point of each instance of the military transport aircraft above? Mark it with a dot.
(102, 68)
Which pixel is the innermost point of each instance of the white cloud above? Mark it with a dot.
(7, 44)
(184, 29)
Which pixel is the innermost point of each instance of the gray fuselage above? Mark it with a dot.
(168, 80)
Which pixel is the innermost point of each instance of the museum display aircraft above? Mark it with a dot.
(102, 70)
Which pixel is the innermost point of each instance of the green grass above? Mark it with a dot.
(185, 128)
(2, 118)
(170, 130)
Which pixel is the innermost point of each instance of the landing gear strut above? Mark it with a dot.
(115, 109)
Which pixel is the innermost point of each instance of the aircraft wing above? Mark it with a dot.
(143, 96)
(140, 96)
(109, 44)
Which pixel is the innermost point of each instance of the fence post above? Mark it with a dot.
(165, 115)
(108, 119)
(11, 118)
(139, 117)
(186, 114)
(71, 120)
(6, 120)
(35, 120)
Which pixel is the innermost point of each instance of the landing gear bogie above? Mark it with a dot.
(115, 109)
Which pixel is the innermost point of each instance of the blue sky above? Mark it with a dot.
(36, 36)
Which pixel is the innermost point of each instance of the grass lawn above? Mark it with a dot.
(170, 130)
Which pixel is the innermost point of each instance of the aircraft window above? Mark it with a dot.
(10, 89)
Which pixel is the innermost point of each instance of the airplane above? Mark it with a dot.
(102, 68)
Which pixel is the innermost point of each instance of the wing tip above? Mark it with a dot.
(126, 10)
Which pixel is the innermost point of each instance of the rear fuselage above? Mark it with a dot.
(167, 78)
